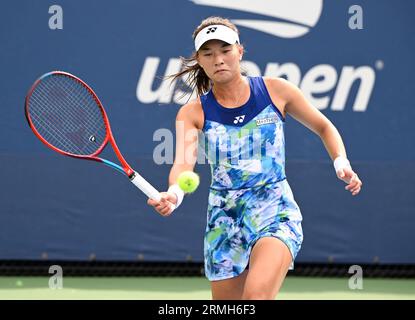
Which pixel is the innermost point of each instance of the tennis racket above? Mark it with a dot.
(67, 116)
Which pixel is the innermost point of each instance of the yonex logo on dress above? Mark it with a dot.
(213, 29)
(239, 119)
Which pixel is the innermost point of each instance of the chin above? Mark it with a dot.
(222, 77)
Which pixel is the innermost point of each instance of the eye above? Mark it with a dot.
(207, 54)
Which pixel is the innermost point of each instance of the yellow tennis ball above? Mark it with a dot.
(188, 181)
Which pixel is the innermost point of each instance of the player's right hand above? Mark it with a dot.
(166, 204)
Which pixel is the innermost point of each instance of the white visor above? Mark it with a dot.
(216, 32)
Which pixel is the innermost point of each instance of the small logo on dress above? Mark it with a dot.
(261, 122)
(239, 119)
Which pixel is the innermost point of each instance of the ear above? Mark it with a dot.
(241, 52)
(197, 60)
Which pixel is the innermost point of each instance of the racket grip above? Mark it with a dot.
(145, 186)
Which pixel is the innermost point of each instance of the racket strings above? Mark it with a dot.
(51, 130)
(49, 127)
(53, 120)
(64, 116)
(67, 115)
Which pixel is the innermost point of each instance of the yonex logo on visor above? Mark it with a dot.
(211, 30)
(216, 32)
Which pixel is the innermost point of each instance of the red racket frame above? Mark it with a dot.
(109, 136)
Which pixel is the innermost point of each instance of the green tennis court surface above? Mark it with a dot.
(194, 288)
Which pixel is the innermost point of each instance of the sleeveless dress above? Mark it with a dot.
(249, 196)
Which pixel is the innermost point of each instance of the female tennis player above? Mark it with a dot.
(253, 231)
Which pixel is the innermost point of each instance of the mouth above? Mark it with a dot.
(220, 70)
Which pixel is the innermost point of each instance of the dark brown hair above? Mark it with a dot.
(197, 79)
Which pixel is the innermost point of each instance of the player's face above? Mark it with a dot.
(220, 60)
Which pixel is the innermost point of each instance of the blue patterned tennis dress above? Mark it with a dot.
(249, 195)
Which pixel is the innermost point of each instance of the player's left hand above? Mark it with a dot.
(354, 184)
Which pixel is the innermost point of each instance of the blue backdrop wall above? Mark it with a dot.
(362, 79)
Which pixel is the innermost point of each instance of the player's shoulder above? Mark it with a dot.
(280, 85)
(191, 111)
(190, 108)
(192, 104)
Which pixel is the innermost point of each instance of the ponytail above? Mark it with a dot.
(196, 78)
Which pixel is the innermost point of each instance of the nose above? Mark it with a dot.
(218, 59)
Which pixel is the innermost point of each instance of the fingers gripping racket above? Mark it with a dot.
(67, 116)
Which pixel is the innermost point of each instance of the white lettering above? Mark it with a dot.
(321, 84)
(349, 75)
(290, 71)
(164, 93)
(318, 80)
